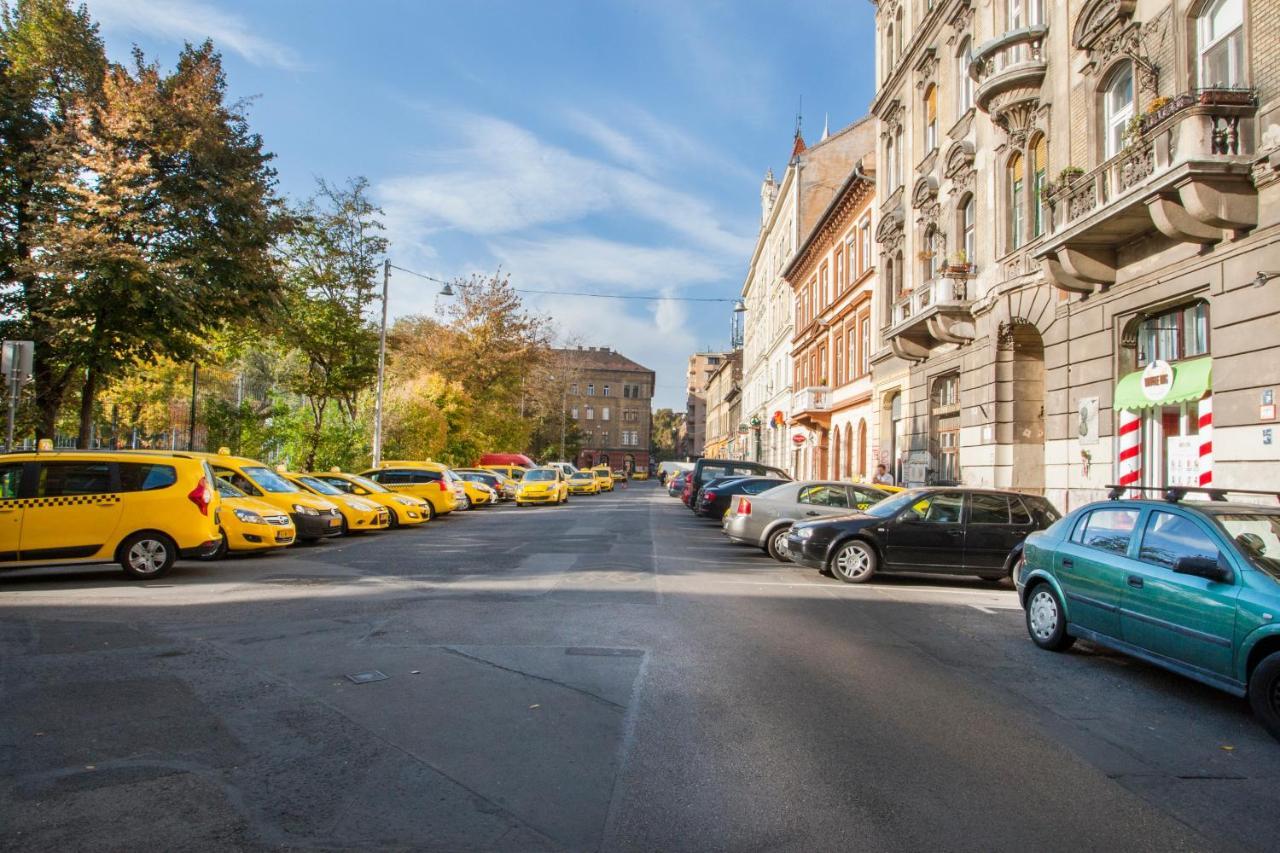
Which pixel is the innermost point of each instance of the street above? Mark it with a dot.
(610, 674)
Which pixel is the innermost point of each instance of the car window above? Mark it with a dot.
(755, 487)
(1107, 529)
(864, 497)
(320, 485)
(420, 477)
(1167, 537)
(238, 480)
(359, 481)
(542, 475)
(145, 476)
(227, 490)
(340, 484)
(269, 480)
(1258, 535)
(394, 477)
(941, 508)
(1018, 512)
(73, 478)
(988, 509)
(10, 480)
(823, 495)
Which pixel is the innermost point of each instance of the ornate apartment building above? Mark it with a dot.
(724, 409)
(693, 437)
(610, 399)
(1078, 212)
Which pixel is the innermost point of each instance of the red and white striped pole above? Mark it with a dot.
(1206, 440)
(1130, 459)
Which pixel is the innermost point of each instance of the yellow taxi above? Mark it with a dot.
(402, 509)
(583, 483)
(639, 475)
(140, 510)
(249, 524)
(496, 480)
(604, 477)
(358, 514)
(542, 486)
(313, 516)
(476, 493)
(618, 476)
(515, 472)
(428, 480)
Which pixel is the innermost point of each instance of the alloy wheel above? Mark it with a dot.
(148, 556)
(854, 562)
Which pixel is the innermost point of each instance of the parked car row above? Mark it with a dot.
(1190, 586)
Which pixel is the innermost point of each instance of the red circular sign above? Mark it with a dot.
(798, 438)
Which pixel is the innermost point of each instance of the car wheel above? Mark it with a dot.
(854, 562)
(1045, 621)
(1011, 580)
(222, 548)
(466, 504)
(776, 546)
(147, 555)
(431, 511)
(1264, 693)
(394, 519)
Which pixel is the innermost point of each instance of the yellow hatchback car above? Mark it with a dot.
(542, 486)
(249, 524)
(583, 483)
(358, 514)
(430, 481)
(140, 510)
(313, 516)
(403, 509)
(604, 477)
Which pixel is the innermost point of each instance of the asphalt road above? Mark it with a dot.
(604, 675)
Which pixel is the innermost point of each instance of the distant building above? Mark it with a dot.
(702, 365)
(724, 410)
(610, 399)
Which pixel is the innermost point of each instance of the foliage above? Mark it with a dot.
(665, 433)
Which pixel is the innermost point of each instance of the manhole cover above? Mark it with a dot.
(366, 677)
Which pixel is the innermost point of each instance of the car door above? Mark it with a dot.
(1091, 567)
(1186, 618)
(822, 499)
(73, 513)
(928, 535)
(987, 533)
(11, 509)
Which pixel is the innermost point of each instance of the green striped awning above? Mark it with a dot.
(1191, 379)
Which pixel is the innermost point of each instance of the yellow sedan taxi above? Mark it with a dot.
(583, 483)
(496, 480)
(249, 524)
(542, 486)
(428, 480)
(604, 477)
(358, 514)
(313, 516)
(477, 493)
(403, 509)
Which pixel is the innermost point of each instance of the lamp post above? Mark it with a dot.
(382, 367)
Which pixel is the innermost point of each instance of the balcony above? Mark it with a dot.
(811, 406)
(938, 312)
(1009, 71)
(1185, 173)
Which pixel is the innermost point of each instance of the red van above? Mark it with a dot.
(518, 459)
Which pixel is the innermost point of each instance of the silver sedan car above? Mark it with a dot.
(764, 519)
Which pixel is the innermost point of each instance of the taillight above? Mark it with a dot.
(201, 496)
(744, 506)
(709, 495)
(444, 487)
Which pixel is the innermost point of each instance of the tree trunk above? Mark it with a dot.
(88, 396)
(49, 393)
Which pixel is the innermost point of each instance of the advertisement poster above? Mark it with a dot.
(1183, 458)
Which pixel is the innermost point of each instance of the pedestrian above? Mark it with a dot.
(883, 477)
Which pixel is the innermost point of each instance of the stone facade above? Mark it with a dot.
(724, 409)
(1074, 192)
(693, 438)
(610, 399)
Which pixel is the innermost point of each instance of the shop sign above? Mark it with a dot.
(1157, 380)
(798, 439)
(1183, 456)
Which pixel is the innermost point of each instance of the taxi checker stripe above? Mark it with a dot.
(60, 500)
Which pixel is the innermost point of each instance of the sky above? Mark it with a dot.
(580, 145)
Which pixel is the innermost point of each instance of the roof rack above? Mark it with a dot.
(1174, 494)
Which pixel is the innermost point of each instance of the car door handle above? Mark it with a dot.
(812, 512)
(1067, 562)
(955, 532)
(1135, 581)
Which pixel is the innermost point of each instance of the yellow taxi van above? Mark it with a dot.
(604, 477)
(140, 510)
(313, 516)
(249, 524)
(428, 480)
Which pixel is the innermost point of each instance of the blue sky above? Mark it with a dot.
(613, 147)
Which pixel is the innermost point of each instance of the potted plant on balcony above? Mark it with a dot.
(1227, 97)
(958, 264)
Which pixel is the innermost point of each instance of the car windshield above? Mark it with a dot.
(227, 490)
(582, 475)
(540, 475)
(364, 482)
(320, 486)
(269, 481)
(894, 504)
(1258, 535)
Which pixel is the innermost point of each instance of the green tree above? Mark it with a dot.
(665, 433)
(332, 267)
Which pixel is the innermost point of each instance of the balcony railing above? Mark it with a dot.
(1009, 70)
(936, 292)
(815, 398)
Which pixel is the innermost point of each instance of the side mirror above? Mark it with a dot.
(1203, 567)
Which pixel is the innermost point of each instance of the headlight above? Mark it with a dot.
(804, 532)
(304, 510)
(406, 501)
(359, 505)
(248, 516)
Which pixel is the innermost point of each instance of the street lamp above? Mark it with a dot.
(736, 324)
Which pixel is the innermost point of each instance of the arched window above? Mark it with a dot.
(932, 261)
(968, 229)
(897, 35)
(930, 118)
(1117, 109)
(862, 448)
(898, 287)
(1220, 44)
(1039, 168)
(964, 83)
(1017, 201)
(891, 161)
(888, 51)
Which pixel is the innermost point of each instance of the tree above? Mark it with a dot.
(162, 227)
(666, 432)
(332, 267)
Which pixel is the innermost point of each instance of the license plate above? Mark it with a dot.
(335, 522)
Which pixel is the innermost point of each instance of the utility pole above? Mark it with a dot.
(382, 366)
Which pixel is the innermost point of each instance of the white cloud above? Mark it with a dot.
(504, 179)
(572, 261)
(191, 20)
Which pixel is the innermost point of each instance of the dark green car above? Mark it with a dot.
(1192, 586)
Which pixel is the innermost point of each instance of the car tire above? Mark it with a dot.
(1014, 570)
(1046, 624)
(854, 562)
(393, 522)
(773, 545)
(431, 511)
(146, 556)
(221, 552)
(466, 504)
(1264, 693)
(343, 529)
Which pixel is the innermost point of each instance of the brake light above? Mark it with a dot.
(201, 496)
(744, 506)
(709, 495)
(444, 487)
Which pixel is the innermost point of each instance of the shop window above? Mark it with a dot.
(1220, 44)
(945, 425)
(1117, 110)
(1174, 335)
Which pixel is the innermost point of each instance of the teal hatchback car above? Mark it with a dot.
(1192, 586)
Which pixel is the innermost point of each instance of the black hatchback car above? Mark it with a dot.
(953, 531)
